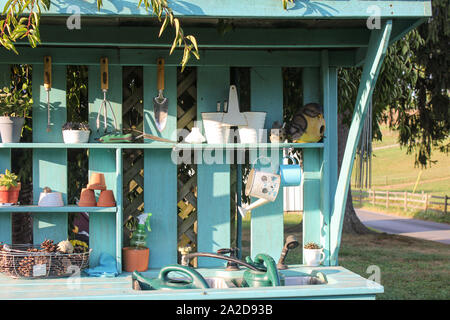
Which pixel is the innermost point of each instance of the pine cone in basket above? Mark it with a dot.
(49, 246)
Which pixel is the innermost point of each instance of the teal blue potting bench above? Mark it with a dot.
(318, 36)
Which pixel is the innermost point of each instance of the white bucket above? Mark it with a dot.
(254, 131)
(215, 131)
(75, 136)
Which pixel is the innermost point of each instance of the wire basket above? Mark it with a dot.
(27, 261)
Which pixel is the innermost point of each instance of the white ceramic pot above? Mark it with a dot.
(11, 129)
(254, 131)
(50, 199)
(313, 257)
(76, 136)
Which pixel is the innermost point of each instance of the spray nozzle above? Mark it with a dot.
(144, 220)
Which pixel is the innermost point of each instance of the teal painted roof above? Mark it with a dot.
(305, 9)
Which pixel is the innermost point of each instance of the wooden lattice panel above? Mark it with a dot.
(187, 177)
(133, 164)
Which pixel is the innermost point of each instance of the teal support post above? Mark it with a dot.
(103, 225)
(5, 163)
(312, 165)
(329, 152)
(119, 214)
(49, 166)
(378, 44)
(267, 221)
(160, 173)
(213, 179)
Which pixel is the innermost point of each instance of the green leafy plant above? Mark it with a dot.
(76, 126)
(15, 102)
(8, 179)
(311, 245)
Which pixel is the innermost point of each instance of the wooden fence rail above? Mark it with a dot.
(404, 199)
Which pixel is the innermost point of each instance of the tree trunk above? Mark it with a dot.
(351, 223)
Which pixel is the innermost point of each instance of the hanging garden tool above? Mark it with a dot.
(48, 85)
(105, 103)
(161, 104)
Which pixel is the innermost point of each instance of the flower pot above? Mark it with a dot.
(135, 259)
(50, 199)
(10, 195)
(254, 131)
(11, 129)
(87, 198)
(313, 257)
(106, 199)
(97, 181)
(75, 136)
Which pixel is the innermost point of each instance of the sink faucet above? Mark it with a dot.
(184, 251)
(186, 256)
(231, 265)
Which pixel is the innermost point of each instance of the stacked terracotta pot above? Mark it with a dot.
(87, 197)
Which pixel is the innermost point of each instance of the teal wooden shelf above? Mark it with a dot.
(69, 208)
(158, 145)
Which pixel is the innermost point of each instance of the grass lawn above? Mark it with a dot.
(393, 169)
(410, 268)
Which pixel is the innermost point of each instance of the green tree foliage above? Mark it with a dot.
(414, 82)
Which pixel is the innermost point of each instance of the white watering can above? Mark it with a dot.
(265, 185)
(262, 185)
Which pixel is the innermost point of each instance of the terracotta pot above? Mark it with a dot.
(97, 181)
(10, 195)
(135, 259)
(87, 198)
(106, 199)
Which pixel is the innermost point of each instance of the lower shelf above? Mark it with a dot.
(69, 208)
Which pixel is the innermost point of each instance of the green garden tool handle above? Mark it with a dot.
(197, 281)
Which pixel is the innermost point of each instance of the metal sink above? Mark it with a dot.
(223, 283)
(301, 281)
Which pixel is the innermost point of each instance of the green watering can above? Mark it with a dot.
(268, 278)
(164, 282)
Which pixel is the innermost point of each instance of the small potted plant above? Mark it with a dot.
(136, 256)
(76, 132)
(313, 254)
(9, 188)
(14, 107)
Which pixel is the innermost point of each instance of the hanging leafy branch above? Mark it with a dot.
(22, 17)
(16, 24)
(165, 15)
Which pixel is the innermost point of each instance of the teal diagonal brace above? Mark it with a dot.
(378, 43)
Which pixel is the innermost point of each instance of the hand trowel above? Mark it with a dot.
(161, 104)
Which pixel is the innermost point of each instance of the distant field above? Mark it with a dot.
(393, 169)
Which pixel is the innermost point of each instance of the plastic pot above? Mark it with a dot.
(135, 259)
(76, 136)
(10, 195)
(11, 129)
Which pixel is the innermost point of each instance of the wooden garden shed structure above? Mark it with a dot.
(318, 36)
